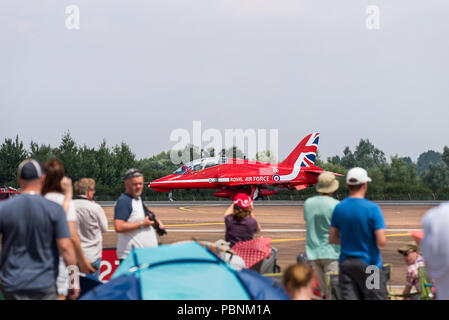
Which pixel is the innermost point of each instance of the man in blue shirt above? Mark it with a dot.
(34, 232)
(358, 226)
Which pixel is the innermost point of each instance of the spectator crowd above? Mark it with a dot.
(52, 238)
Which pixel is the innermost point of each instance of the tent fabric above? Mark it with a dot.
(261, 288)
(140, 257)
(87, 284)
(193, 281)
(120, 288)
(180, 272)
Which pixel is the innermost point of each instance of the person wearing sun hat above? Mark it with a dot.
(240, 222)
(317, 215)
(414, 261)
(358, 225)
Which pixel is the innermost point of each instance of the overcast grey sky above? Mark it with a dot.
(136, 70)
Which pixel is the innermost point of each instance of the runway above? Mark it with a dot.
(283, 222)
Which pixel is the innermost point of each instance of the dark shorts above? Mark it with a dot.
(358, 282)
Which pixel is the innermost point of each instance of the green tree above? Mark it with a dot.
(445, 155)
(366, 155)
(265, 156)
(348, 160)
(399, 171)
(12, 153)
(67, 153)
(232, 152)
(335, 159)
(105, 162)
(407, 160)
(427, 158)
(124, 159)
(88, 165)
(437, 176)
(377, 185)
(42, 153)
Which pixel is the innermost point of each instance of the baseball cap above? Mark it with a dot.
(30, 169)
(407, 247)
(357, 176)
(133, 173)
(243, 200)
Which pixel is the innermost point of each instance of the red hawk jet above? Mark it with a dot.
(8, 192)
(257, 179)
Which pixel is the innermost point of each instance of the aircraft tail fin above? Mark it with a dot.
(304, 154)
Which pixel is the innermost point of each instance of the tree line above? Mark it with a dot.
(399, 178)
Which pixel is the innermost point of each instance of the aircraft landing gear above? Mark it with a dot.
(170, 194)
(254, 192)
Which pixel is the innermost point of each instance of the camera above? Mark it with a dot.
(152, 217)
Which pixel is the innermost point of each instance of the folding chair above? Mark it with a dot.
(387, 269)
(425, 285)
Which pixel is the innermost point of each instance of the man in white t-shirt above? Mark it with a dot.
(134, 229)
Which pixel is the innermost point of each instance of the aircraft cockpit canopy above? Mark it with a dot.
(201, 164)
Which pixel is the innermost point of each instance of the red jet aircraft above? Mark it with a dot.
(257, 179)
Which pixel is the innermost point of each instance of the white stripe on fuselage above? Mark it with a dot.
(295, 171)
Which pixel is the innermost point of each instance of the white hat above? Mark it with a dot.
(357, 176)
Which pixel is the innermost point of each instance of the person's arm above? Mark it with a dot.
(229, 210)
(122, 226)
(379, 227)
(83, 263)
(67, 189)
(407, 290)
(252, 215)
(101, 219)
(161, 225)
(258, 227)
(381, 240)
(334, 236)
(67, 253)
(122, 212)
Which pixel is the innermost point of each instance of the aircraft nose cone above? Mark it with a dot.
(157, 184)
(153, 184)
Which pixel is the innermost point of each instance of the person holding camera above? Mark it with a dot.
(135, 225)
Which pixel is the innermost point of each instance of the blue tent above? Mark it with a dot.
(185, 271)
